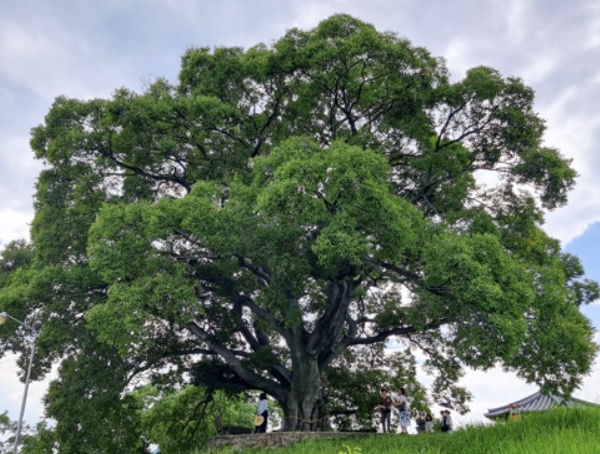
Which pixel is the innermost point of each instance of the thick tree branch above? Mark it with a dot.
(230, 358)
(262, 273)
(328, 328)
(275, 367)
(448, 120)
(263, 314)
(399, 331)
(141, 172)
(401, 276)
(243, 328)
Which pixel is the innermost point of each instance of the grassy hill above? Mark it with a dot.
(564, 431)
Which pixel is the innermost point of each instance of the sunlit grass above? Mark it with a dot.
(562, 430)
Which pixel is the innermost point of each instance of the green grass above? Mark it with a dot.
(564, 431)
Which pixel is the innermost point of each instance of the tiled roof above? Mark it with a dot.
(535, 402)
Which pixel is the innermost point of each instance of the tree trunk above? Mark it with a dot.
(303, 407)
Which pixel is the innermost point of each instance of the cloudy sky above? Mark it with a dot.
(86, 49)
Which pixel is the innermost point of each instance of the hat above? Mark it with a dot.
(446, 405)
(259, 420)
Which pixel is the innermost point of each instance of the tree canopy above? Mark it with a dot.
(274, 218)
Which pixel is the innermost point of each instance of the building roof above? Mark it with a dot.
(536, 402)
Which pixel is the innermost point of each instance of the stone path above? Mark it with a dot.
(273, 439)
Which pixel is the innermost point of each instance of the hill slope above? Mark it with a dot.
(564, 431)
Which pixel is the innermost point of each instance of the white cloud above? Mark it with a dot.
(13, 225)
(576, 134)
(13, 389)
(590, 390)
(458, 58)
(541, 68)
(592, 29)
(491, 389)
(517, 23)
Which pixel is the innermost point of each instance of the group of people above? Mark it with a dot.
(424, 424)
(400, 403)
(386, 405)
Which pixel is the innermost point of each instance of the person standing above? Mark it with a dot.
(262, 409)
(403, 414)
(385, 406)
(428, 423)
(449, 421)
(446, 422)
(420, 423)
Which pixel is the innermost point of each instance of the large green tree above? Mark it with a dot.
(281, 212)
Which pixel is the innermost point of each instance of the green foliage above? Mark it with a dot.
(87, 404)
(6, 427)
(181, 422)
(351, 450)
(33, 440)
(178, 421)
(42, 441)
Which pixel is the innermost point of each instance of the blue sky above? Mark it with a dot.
(587, 248)
(88, 49)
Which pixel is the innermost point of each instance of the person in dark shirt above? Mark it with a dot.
(446, 421)
(385, 406)
(420, 421)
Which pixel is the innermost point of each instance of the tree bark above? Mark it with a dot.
(303, 406)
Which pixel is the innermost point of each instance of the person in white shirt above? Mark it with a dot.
(262, 409)
(428, 423)
(401, 404)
